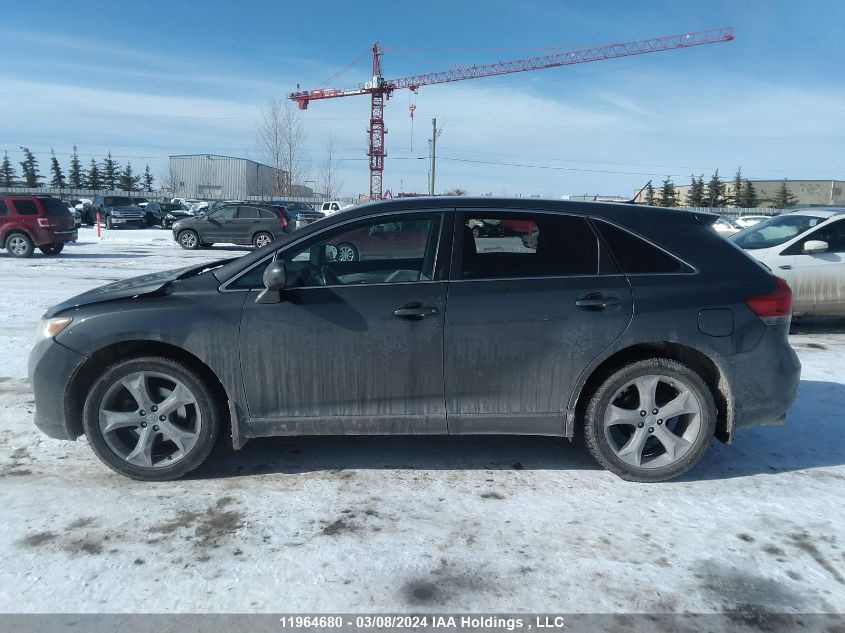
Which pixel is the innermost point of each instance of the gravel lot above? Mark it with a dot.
(410, 524)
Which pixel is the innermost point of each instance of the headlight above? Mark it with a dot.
(116, 212)
(51, 327)
(176, 225)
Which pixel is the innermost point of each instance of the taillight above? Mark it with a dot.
(283, 222)
(43, 222)
(775, 307)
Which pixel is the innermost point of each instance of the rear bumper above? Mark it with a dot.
(65, 236)
(764, 381)
(51, 367)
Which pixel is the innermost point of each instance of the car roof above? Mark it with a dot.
(819, 212)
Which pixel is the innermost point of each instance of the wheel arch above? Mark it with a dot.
(695, 359)
(94, 365)
(4, 235)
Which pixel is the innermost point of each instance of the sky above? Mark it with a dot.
(148, 80)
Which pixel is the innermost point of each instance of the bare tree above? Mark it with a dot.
(330, 184)
(280, 139)
(170, 179)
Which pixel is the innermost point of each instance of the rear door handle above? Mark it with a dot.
(415, 311)
(785, 267)
(597, 301)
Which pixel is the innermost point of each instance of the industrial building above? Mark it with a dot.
(210, 176)
(809, 193)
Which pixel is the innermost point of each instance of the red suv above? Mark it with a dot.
(30, 221)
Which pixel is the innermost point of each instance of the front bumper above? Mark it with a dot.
(51, 367)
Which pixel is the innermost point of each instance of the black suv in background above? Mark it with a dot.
(115, 212)
(255, 224)
(164, 214)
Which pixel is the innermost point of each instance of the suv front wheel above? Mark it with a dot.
(151, 418)
(650, 421)
(189, 239)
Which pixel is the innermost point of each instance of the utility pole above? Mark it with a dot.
(434, 134)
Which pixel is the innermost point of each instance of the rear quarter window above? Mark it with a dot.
(25, 207)
(637, 256)
(4, 210)
(53, 207)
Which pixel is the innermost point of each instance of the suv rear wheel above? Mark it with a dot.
(262, 239)
(650, 421)
(151, 418)
(52, 249)
(19, 245)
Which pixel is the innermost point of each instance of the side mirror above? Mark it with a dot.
(274, 283)
(815, 246)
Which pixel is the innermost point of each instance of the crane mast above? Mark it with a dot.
(380, 89)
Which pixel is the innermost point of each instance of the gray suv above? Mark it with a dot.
(640, 328)
(241, 223)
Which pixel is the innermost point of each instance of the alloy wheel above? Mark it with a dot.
(17, 245)
(188, 239)
(346, 253)
(653, 421)
(150, 419)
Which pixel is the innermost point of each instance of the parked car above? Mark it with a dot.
(744, 221)
(255, 224)
(141, 202)
(164, 214)
(331, 207)
(725, 227)
(30, 221)
(77, 215)
(82, 206)
(302, 213)
(116, 212)
(383, 241)
(807, 249)
(641, 328)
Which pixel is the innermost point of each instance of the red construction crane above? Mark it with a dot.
(380, 89)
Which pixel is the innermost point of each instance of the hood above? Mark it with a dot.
(126, 207)
(154, 283)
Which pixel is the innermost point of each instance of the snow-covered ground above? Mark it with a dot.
(410, 524)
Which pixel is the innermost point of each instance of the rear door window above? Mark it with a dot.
(502, 245)
(637, 256)
(248, 213)
(25, 207)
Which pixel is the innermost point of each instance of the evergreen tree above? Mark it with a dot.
(93, 179)
(58, 178)
(75, 174)
(736, 194)
(7, 172)
(111, 173)
(695, 195)
(649, 194)
(148, 179)
(783, 196)
(667, 194)
(749, 195)
(714, 196)
(128, 181)
(29, 167)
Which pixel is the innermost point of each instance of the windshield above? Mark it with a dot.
(298, 206)
(117, 202)
(775, 231)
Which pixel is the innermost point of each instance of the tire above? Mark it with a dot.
(193, 418)
(262, 239)
(645, 447)
(347, 252)
(19, 245)
(52, 249)
(189, 239)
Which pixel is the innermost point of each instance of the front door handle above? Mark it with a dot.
(415, 311)
(785, 266)
(597, 301)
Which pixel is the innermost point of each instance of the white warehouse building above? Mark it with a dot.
(212, 176)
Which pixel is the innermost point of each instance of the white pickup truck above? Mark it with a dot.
(331, 207)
